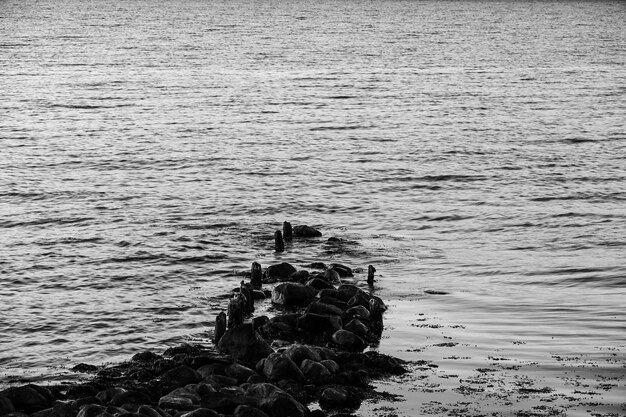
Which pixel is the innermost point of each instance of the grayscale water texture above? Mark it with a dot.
(149, 149)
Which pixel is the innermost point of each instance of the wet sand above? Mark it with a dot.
(457, 371)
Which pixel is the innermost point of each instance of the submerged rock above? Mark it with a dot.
(306, 231)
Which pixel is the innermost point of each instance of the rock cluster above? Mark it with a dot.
(311, 351)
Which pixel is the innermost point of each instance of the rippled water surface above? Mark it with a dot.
(148, 150)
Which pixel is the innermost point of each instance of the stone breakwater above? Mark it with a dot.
(311, 351)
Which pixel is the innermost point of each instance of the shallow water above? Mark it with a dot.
(149, 150)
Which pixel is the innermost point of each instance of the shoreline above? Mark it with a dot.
(310, 353)
(443, 368)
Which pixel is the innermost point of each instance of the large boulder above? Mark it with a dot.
(279, 272)
(173, 402)
(342, 270)
(324, 309)
(348, 341)
(239, 372)
(279, 366)
(293, 294)
(297, 353)
(28, 398)
(180, 376)
(318, 324)
(357, 327)
(315, 372)
(276, 402)
(244, 344)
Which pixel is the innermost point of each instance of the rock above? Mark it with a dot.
(351, 290)
(239, 372)
(180, 376)
(332, 366)
(246, 411)
(358, 311)
(6, 406)
(292, 294)
(279, 366)
(279, 272)
(226, 403)
(177, 403)
(262, 390)
(186, 392)
(334, 397)
(357, 327)
(317, 265)
(130, 397)
(326, 353)
(348, 340)
(319, 284)
(244, 344)
(80, 391)
(297, 353)
(331, 293)
(28, 398)
(306, 231)
(145, 356)
(342, 270)
(283, 405)
(149, 411)
(91, 410)
(260, 321)
(60, 409)
(223, 381)
(330, 275)
(324, 309)
(211, 369)
(300, 276)
(319, 325)
(201, 412)
(77, 404)
(84, 368)
(343, 306)
(315, 372)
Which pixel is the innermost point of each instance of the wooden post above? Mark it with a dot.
(220, 326)
(370, 275)
(246, 290)
(279, 245)
(287, 231)
(256, 275)
(236, 307)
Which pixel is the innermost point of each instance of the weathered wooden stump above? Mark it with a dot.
(370, 275)
(287, 231)
(256, 275)
(236, 310)
(246, 290)
(220, 326)
(279, 245)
